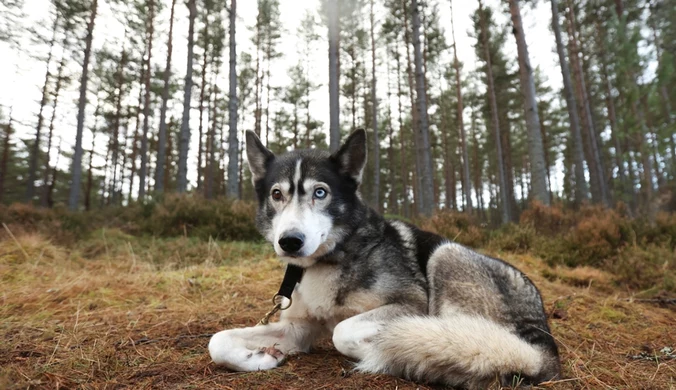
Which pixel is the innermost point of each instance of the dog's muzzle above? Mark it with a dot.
(292, 242)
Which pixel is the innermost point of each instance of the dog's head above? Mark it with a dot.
(307, 198)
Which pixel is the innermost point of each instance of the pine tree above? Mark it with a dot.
(233, 187)
(535, 148)
(182, 181)
(76, 170)
(506, 211)
(162, 135)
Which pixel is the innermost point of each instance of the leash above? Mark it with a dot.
(292, 276)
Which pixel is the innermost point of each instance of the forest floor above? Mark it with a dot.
(116, 311)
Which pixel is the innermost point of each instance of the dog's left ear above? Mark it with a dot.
(258, 156)
(351, 157)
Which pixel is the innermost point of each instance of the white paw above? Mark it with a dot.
(231, 352)
(265, 359)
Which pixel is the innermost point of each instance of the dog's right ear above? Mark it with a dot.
(258, 155)
(351, 157)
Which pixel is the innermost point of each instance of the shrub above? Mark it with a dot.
(597, 236)
(513, 238)
(651, 269)
(197, 217)
(460, 227)
(547, 220)
(174, 215)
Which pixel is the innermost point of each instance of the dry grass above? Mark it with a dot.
(112, 314)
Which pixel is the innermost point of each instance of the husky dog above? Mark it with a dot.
(396, 299)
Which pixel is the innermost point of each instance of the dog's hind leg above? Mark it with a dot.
(353, 336)
(261, 347)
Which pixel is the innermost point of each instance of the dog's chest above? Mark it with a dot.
(325, 297)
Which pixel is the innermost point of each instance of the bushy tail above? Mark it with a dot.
(461, 350)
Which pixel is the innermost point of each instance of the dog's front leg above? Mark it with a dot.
(262, 347)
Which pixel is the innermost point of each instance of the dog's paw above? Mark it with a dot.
(265, 358)
(274, 352)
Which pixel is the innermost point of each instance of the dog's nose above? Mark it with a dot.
(291, 242)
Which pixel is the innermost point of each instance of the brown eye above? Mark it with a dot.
(276, 194)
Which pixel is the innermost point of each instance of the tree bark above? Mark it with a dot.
(146, 108)
(135, 136)
(424, 149)
(116, 123)
(596, 173)
(211, 143)
(535, 148)
(449, 176)
(233, 145)
(203, 92)
(35, 150)
(376, 135)
(57, 92)
(581, 188)
(76, 169)
(184, 143)
(334, 74)
(88, 186)
(417, 186)
(402, 143)
(162, 135)
(259, 77)
(612, 115)
(502, 179)
(5, 156)
(466, 186)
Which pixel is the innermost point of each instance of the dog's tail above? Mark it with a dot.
(461, 350)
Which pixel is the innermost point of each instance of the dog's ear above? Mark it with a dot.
(258, 155)
(351, 157)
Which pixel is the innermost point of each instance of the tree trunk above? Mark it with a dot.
(135, 136)
(334, 75)
(88, 186)
(478, 186)
(146, 107)
(76, 170)
(612, 116)
(162, 136)
(203, 89)
(259, 78)
(596, 173)
(5, 156)
(402, 146)
(506, 206)
(57, 92)
(268, 53)
(376, 135)
(417, 186)
(233, 145)
(535, 148)
(424, 148)
(581, 188)
(184, 143)
(211, 143)
(116, 123)
(466, 186)
(449, 182)
(35, 150)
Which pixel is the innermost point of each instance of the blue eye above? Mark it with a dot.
(320, 193)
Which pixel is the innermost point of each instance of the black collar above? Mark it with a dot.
(292, 276)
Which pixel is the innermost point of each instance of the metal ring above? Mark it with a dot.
(274, 301)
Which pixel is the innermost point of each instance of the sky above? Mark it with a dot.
(22, 71)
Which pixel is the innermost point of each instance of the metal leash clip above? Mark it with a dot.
(277, 302)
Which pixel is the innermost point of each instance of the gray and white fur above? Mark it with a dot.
(396, 299)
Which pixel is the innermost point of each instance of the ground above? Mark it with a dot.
(116, 311)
